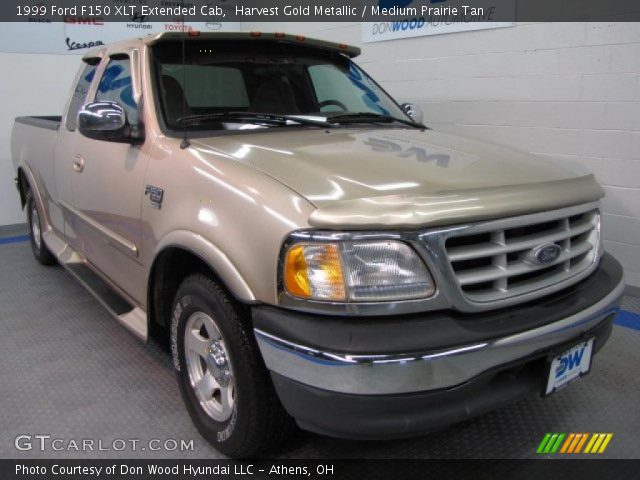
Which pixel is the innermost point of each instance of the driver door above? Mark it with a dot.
(108, 188)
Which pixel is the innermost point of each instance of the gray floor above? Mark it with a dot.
(70, 371)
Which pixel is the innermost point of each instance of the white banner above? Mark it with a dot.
(422, 18)
(76, 35)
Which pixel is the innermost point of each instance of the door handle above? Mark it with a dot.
(78, 163)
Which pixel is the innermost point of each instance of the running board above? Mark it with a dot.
(132, 317)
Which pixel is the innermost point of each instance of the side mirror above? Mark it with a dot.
(414, 111)
(106, 121)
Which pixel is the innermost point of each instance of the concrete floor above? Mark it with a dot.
(71, 371)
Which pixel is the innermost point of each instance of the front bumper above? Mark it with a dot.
(400, 376)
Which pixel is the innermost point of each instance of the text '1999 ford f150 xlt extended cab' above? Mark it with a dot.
(308, 249)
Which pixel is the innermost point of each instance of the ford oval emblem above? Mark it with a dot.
(544, 254)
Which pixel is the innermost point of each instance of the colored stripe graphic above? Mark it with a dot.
(573, 443)
(598, 443)
(543, 443)
(556, 445)
(594, 437)
(605, 443)
(550, 443)
(565, 447)
(581, 442)
(596, 446)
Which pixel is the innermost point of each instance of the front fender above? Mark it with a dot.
(212, 256)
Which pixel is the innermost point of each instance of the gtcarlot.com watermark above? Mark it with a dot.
(49, 443)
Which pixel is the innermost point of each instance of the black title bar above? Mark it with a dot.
(451, 11)
(319, 469)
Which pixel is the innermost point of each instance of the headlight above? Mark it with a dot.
(356, 271)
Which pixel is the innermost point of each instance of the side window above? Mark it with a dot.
(79, 95)
(354, 90)
(116, 86)
(332, 84)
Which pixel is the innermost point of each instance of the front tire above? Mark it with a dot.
(40, 250)
(223, 380)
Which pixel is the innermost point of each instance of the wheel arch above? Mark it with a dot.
(27, 182)
(178, 255)
(23, 184)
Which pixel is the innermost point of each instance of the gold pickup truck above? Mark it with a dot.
(309, 250)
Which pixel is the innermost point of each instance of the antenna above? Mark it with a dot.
(185, 140)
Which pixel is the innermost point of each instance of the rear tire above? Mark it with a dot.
(223, 380)
(40, 250)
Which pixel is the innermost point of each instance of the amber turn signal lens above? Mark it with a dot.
(314, 271)
(296, 279)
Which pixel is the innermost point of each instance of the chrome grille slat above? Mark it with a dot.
(468, 253)
(492, 261)
(494, 273)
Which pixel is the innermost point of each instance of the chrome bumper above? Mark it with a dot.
(418, 372)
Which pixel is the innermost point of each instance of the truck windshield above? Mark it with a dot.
(219, 79)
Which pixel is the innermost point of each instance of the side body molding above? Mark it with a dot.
(210, 254)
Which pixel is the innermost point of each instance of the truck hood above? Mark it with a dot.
(361, 178)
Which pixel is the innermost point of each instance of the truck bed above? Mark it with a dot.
(33, 142)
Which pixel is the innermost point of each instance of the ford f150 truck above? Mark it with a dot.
(309, 250)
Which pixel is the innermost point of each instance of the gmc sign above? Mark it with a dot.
(84, 20)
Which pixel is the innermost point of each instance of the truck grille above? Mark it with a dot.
(491, 263)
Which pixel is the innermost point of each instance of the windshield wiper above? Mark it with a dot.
(255, 118)
(277, 119)
(370, 117)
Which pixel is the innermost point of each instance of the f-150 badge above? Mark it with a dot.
(155, 195)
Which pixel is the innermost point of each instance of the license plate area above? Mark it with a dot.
(568, 366)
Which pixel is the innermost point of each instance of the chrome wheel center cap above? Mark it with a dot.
(217, 363)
